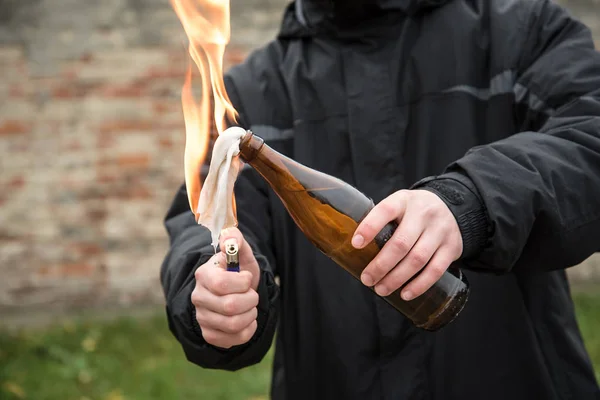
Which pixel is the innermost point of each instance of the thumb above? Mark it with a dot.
(246, 256)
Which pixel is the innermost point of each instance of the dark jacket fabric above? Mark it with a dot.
(492, 104)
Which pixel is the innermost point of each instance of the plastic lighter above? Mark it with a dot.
(232, 256)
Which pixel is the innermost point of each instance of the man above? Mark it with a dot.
(489, 112)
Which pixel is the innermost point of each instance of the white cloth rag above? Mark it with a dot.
(216, 209)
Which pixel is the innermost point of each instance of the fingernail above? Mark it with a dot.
(407, 295)
(224, 232)
(367, 280)
(381, 290)
(358, 241)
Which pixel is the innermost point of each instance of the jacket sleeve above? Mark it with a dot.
(190, 248)
(532, 200)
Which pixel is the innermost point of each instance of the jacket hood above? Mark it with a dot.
(308, 17)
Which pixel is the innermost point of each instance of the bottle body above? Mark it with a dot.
(328, 211)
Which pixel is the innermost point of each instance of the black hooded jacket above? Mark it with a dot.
(492, 104)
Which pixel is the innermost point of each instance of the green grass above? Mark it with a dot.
(122, 359)
(588, 316)
(137, 358)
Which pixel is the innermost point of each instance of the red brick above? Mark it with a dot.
(87, 249)
(104, 162)
(17, 91)
(96, 215)
(168, 109)
(161, 108)
(92, 193)
(136, 193)
(171, 125)
(124, 193)
(165, 143)
(104, 178)
(72, 90)
(44, 270)
(106, 141)
(76, 269)
(64, 92)
(135, 89)
(86, 58)
(73, 145)
(16, 182)
(125, 125)
(134, 161)
(162, 73)
(67, 270)
(161, 92)
(13, 127)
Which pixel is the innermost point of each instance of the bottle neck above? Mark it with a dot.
(288, 177)
(250, 147)
(267, 162)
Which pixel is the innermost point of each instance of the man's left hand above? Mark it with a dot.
(427, 239)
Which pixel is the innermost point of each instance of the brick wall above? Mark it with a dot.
(91, 144)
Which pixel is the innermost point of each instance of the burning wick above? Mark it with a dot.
(207, 27)
(232, 256)
(216, 207)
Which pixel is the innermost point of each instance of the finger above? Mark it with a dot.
(416, 259)
(244, 250)
(217, 261)
(230, 304)
(213, 276)
(228, 324)
(432, 273)
(222, 282)
(399, 245)
(203, 272)
(228, 340)
(389, 209)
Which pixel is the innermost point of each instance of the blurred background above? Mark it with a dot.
(91, 153)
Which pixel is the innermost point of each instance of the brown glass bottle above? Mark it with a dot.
(328, 210)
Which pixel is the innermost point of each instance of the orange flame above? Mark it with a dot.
(206, 24)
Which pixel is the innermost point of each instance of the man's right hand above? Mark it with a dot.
(226, 302)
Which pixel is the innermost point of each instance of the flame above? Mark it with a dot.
(206, 24)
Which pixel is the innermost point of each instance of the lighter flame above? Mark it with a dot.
(206, 24)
